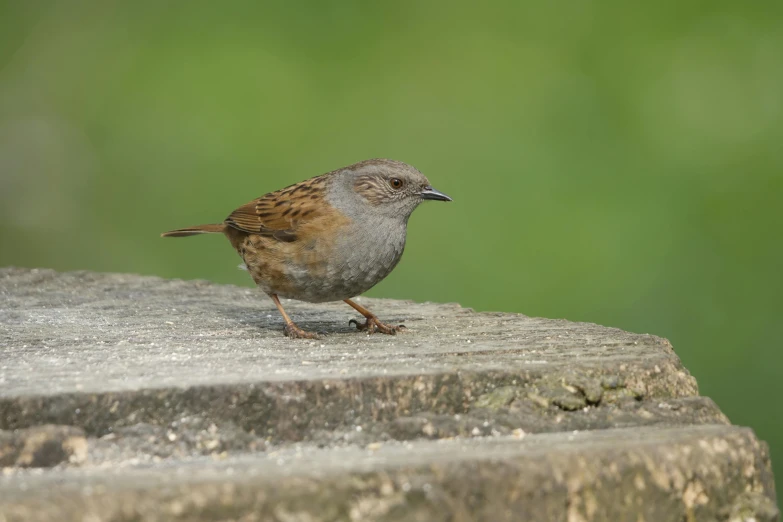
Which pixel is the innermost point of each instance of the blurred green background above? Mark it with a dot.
(612, 162)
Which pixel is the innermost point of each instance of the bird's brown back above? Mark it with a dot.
(293, 226)
(279, 214)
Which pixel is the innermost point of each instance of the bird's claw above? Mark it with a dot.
(294, 332)
(372, 324)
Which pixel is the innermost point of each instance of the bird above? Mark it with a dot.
(328, 238)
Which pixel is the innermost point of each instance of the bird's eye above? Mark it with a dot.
(396, 183)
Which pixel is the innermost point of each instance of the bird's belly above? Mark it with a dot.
(324, 268)
(349, 270)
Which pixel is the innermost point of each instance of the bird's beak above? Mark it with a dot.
(435, 195)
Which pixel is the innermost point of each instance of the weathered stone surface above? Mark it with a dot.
(658, 474)
(196, 406)
(42, 446)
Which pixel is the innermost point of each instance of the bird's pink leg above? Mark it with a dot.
(291, 330)
(372, 323)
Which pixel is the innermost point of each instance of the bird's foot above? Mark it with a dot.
(372, 324)
(294, 332)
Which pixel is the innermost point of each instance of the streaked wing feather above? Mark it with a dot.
(279, 214)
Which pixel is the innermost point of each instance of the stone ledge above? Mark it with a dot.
(176, 382)
(697, 473)
(90, 332)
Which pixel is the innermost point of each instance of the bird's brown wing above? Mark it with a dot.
(280, 214)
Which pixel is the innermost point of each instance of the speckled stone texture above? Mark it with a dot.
(195, 407)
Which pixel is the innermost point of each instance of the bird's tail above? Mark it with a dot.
(192, 231)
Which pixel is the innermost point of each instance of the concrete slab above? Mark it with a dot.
(190, 398)
(704, 473)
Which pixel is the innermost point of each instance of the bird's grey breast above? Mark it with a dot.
(368, 248)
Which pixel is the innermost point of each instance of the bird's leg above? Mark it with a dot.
(373, 323)
(291, 330)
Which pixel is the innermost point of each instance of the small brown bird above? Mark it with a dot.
(327, 238)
